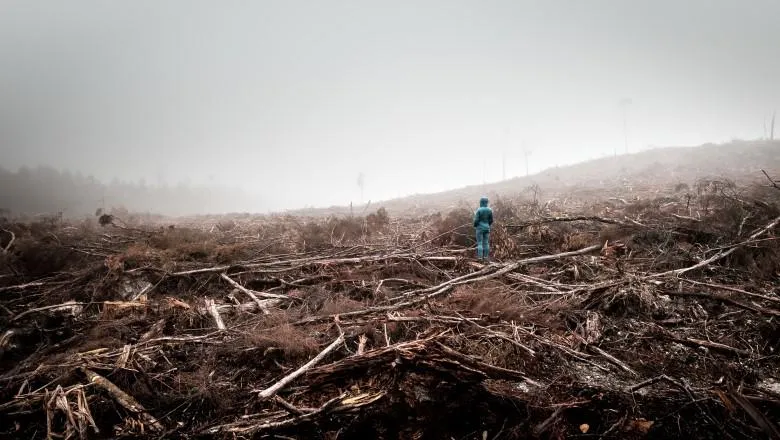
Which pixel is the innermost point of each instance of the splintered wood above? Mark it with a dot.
(211, 306)
(273, 389)
(125, 400)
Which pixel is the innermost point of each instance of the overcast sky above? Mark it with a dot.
(292, 99)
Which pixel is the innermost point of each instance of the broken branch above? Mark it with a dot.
(273, 389)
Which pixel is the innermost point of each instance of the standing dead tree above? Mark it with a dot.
(361, 183)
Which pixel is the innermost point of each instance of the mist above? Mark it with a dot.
(288, 102)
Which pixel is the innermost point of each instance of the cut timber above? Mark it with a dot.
(212, 308)
(491, 371)
(614, 360)
(734, 289)
(769, 427)
(713, 345)
(127, 401)
(154, 331)
(289, 406)
(503, 336)
(248, 292)
(24, 286)
(542, 221)
(273, 389)
(543, 258)
(727, 300)
(343, 403)
(72, 308)
(720, 255)
(250, 306)
(287, 265)
(252, 293)
(361, 345)
(485, 273)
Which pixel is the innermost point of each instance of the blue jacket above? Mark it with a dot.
(483, 218)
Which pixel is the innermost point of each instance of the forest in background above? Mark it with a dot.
(47, 191)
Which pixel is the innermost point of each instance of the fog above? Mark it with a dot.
(291, 100)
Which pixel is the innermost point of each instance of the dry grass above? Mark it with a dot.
(42, 257)
(183, 241)
(493, 301)
(209, 380)
(455, 228)
(286, 339)
(137, 254)
(338, 304)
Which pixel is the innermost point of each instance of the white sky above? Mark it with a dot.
(292, 99)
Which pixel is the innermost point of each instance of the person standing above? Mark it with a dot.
(483, 220)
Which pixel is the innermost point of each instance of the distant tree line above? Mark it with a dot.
(45, 190)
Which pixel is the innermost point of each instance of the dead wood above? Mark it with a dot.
(154, 331)
(125, 400)
(384, 356)
(253, 294)
(491, 371)
(10, 241)
(273, 389)
(713, 345)
(430, 342)
(721, 255)
(25, 286)
(70, 307)
(761, 420)
(212, 309)
(727, 300)
(343, 403)
(248, 292)
(502, 336)
(548, 422)
(289, 406)
(545, 220)
(773, 299)
(771, 180)
(654, 380)
(614, 360)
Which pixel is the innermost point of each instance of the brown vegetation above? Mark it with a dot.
(643, 317)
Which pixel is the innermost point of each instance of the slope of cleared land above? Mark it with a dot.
(608, 316)
(634, 175)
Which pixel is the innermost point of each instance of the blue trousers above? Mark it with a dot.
(483, 244)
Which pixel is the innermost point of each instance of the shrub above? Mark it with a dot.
(184, 243)
(505, 211)
(178, 237)
(681, 187)
(455, 229)
(346, 228)
(378, 221)
(312, 235)
(41, 258)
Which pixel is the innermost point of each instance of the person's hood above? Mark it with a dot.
(483, 202)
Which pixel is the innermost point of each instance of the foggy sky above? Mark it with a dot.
(292, 99)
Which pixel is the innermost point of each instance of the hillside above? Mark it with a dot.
(651, 170)
(639, 320)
